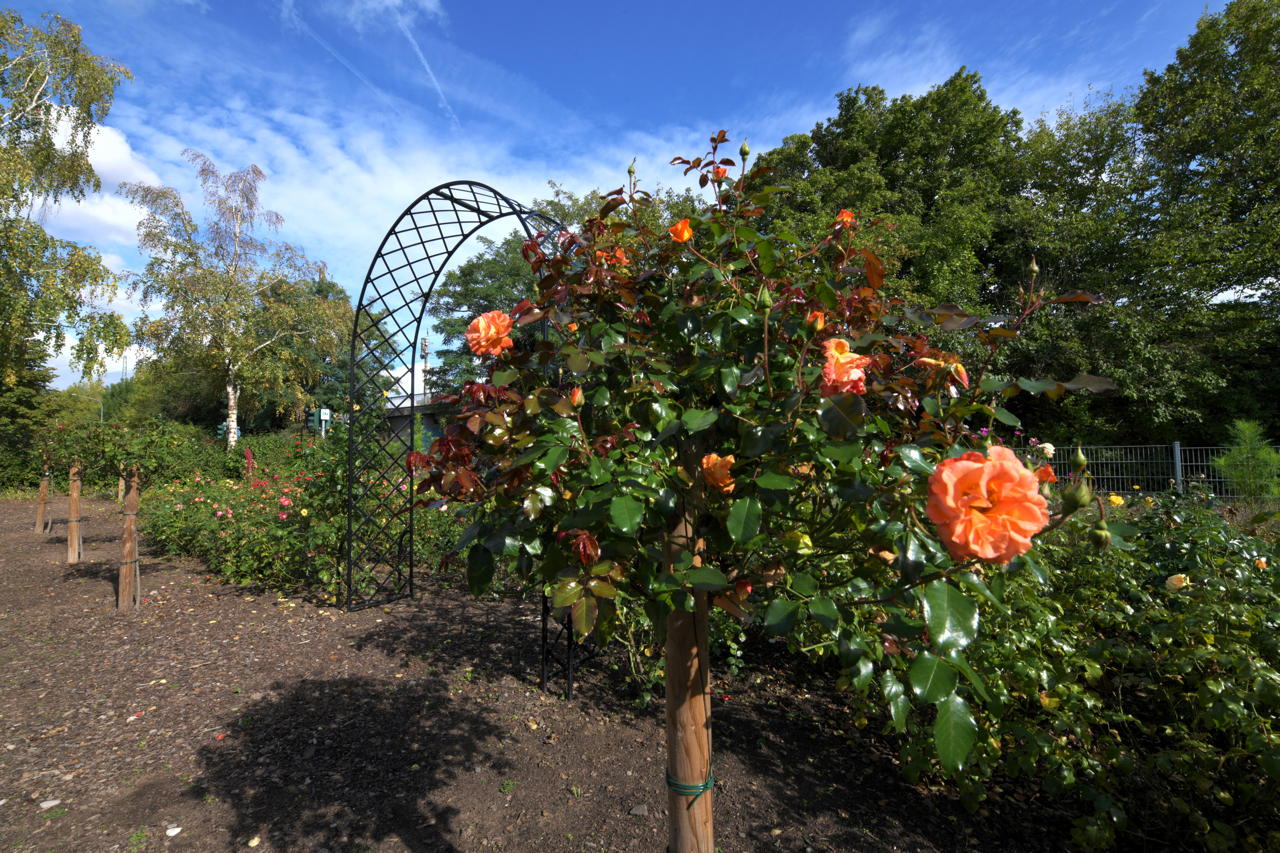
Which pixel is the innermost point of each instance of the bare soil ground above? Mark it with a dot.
(218, 718)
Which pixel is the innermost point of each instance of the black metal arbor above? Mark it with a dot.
(384, 352)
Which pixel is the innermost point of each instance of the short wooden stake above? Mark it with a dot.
(120, 489)
(75, 545)
(129, 587)
(42, 508)
(689, 822)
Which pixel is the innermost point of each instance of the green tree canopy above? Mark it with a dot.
(53, 94)
(236, 306)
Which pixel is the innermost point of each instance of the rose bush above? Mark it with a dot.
(733, 415)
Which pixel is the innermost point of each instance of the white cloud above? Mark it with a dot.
(364, 14)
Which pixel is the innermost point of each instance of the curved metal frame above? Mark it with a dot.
(384, 346)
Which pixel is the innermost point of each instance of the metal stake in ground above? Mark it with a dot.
(129, 587)
(75, 545)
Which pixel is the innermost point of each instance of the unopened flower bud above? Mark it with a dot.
(631, 170)
(576, 396)
(1033, 267)
(1100, 536)
(1079, 462)
(1077, 496)
(744, 151)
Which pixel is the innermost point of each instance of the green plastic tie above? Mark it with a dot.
(694, 791)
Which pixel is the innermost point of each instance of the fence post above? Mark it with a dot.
(42, 508)
(1177, 466)
(75, 546)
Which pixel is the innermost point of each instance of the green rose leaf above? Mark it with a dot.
(824, 611)
(952, 617)
(780, 617)
(706, 579)
(480, 567)
(504, 376)
(932, 678)
(744, 519)
(696, 420)
(626, 513)
(914, 460)
(566, 593)
(772, 480)
(895, 695)
(954, 732)
(804, 584)
(584, 612)
(1005, 416)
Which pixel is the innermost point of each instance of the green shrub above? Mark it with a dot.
(283, 528)
(1251, 466)
(1153, 704)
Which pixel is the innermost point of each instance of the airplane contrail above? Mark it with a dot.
(294, 18)
(404, 28)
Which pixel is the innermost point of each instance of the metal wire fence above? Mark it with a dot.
(1161, 468)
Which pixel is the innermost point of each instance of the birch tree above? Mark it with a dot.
(227, 299)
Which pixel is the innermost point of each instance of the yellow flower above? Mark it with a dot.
(305, 511)
(1173, 583)
(1137, 488)
(1115, 500)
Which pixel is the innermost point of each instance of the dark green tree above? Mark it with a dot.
(1209, 122)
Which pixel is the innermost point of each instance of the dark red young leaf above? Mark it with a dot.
(874, 269)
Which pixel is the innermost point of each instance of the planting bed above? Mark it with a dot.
(219, 718)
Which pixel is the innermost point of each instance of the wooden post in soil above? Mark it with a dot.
(75, 545)
(688, 682)
(42, 508)
(120, 490)
(129, 587)
(689, 826)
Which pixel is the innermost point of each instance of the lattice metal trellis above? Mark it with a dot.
(384, 381)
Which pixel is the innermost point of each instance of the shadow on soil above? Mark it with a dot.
(338, 764)
(495, 638)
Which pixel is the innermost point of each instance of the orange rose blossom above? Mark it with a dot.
(681, 232)
(715, 469)
(986, 507)
(488, 333)
(843, 372)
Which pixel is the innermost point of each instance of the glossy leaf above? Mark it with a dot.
(895, 695)
(706, 579)
(772, 480)
(954, 732)
(744, 519)
(931, 677)
(952, 617)
(626, 513)
(696, 420)
(781, 615)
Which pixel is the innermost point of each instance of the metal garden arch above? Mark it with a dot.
(384, 347)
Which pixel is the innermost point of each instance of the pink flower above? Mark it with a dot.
(282, 515)
(286, 502)
(218, 513)
(199, 499)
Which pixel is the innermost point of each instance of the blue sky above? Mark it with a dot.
(355, 107)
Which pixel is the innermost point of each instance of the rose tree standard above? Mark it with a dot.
(721, 416)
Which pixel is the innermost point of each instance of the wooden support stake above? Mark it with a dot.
(75, 545)
(129, 587)
(42, 508)
(120, 490)
(689, 729)
(688, 677)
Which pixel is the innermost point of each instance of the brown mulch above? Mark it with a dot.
(219, 718)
